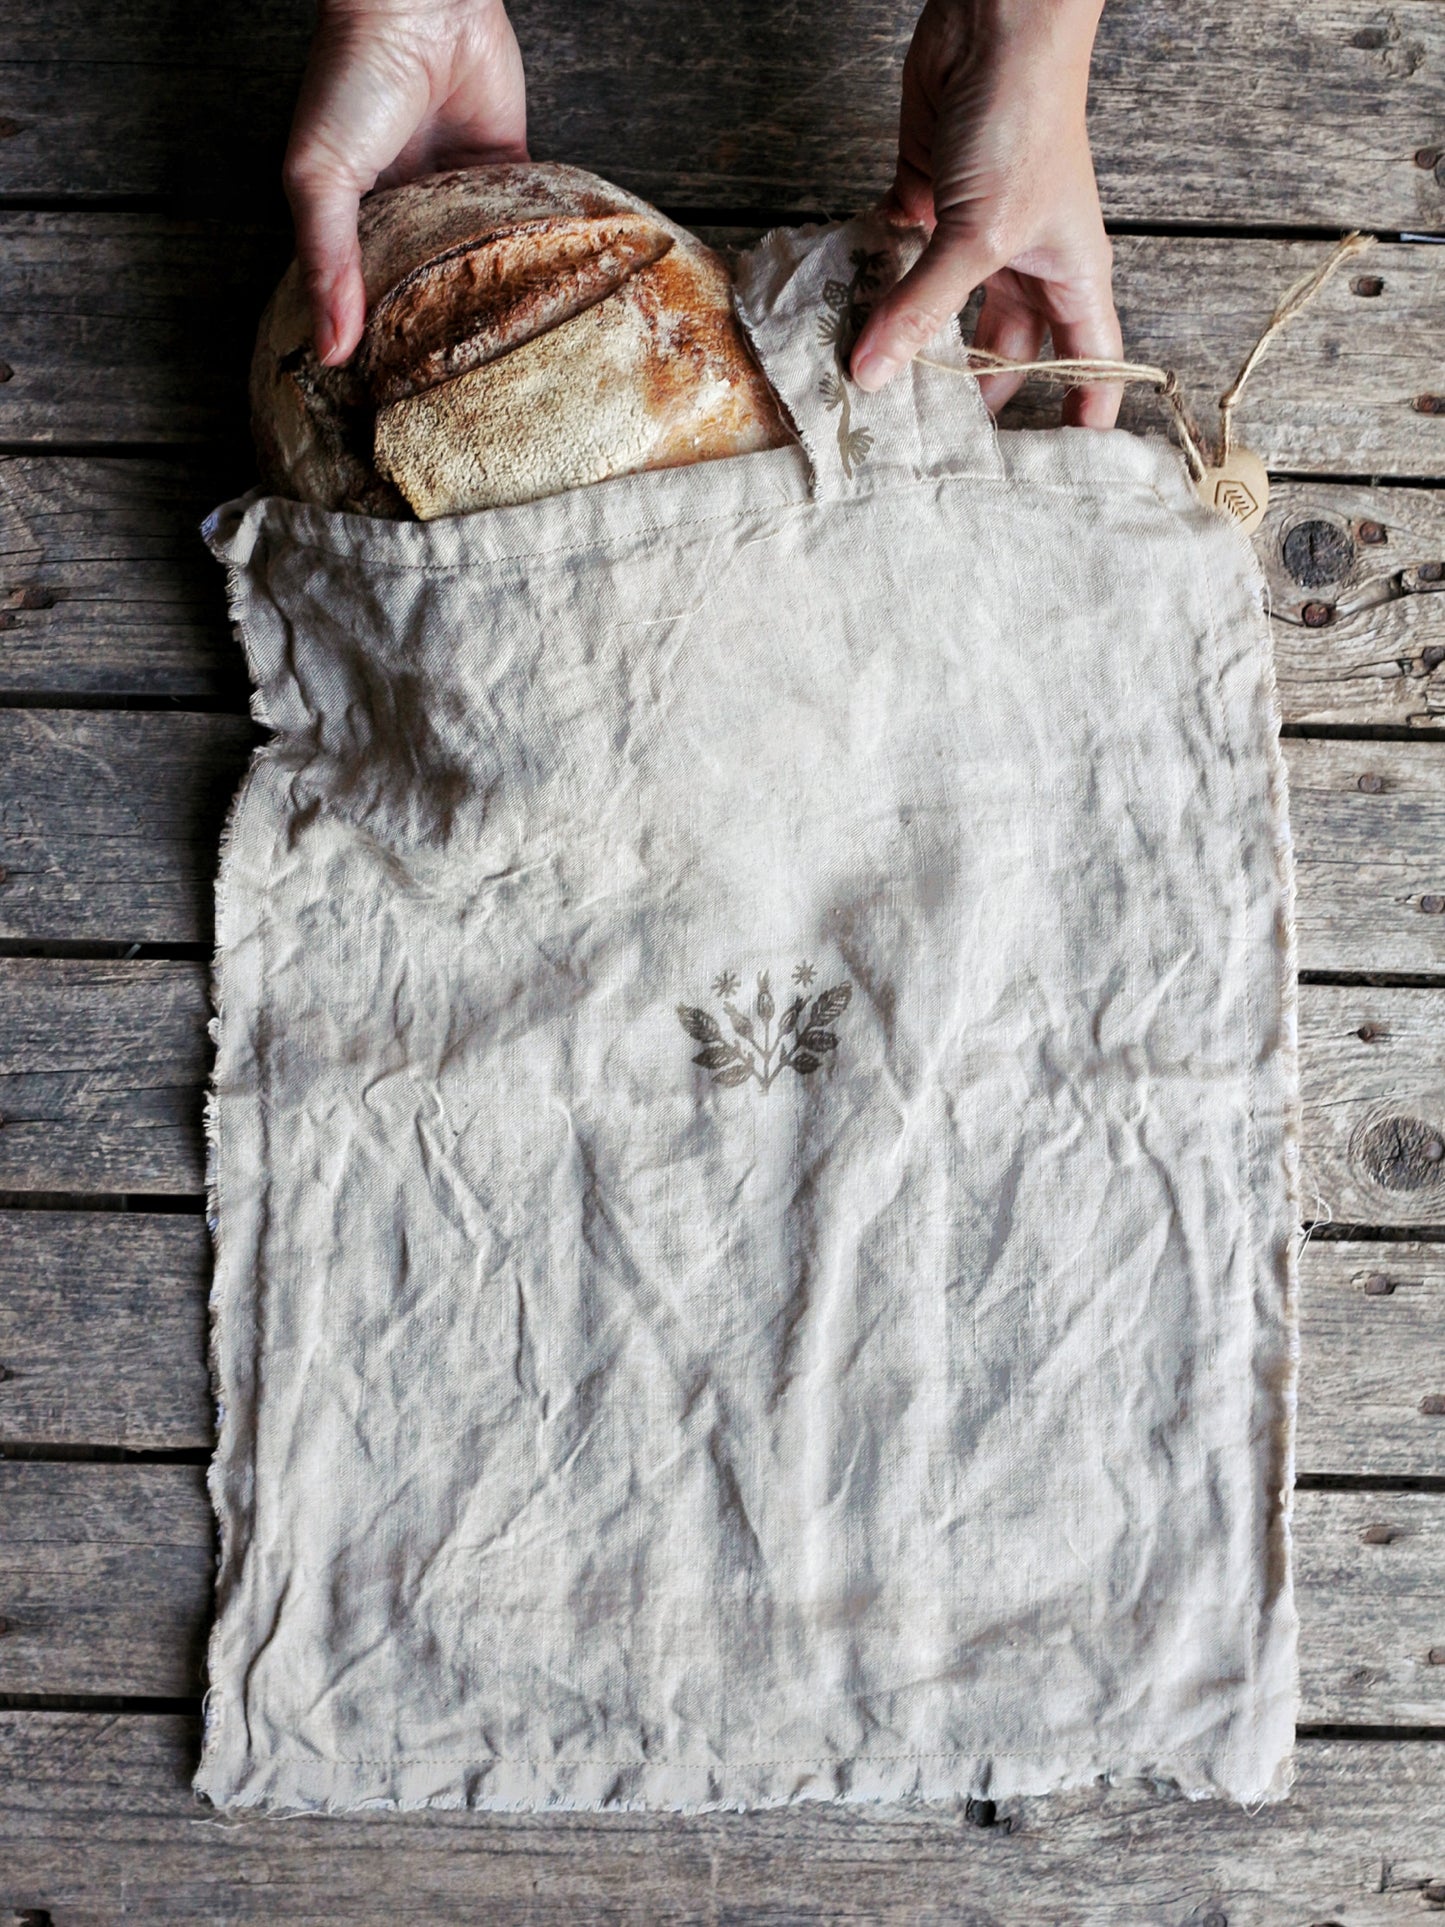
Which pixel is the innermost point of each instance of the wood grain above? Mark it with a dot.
(103, 1329)
(137, 328)
(1357, 601)
(1372, 1344)
(109, 824)
(105, 1574)
(101, 1067)
(1265, 114)
(1372, 1081)
(1372, 1611)
(103, 1341)
(105, 1577)
(98, 1824)
(107, 589)
(110, 821)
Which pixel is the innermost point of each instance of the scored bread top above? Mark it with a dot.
(443, 409)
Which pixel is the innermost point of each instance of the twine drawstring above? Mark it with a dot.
(1075, 370)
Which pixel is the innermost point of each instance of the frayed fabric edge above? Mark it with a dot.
(308, 1789)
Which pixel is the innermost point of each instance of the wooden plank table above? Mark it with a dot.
(140, 228)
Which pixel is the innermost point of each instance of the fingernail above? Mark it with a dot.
(872, 369)
(326, 342)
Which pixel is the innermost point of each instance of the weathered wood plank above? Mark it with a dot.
(105, 1575)
(1357, 597)
(101, 1066)
(109, 825)
(1269, 113)
(134, 327)
(103, 1341)
(1368, 823)
(103, 1329)
(1372, 1078)
(1372, 1365)
(110, 821)
(129, 327)
(1368, 1570)
(106, 588)
(105, 1587)
(98, 1823)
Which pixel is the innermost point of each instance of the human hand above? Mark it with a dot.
(393, 89)
(993, 159)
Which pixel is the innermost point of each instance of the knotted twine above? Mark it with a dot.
(1074, 370)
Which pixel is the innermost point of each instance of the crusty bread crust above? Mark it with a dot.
(530, 328)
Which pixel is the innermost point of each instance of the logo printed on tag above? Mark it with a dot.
(1239, 487)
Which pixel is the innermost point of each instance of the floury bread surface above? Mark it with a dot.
(529, 328)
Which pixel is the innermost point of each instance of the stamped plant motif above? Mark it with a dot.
(846, 309)
(803, 1037)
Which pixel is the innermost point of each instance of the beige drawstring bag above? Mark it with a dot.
(754, 1132)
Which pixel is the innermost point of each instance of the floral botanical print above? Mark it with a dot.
(846, 310)
(802, 1040)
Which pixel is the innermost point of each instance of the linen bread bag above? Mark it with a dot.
(754, 1129)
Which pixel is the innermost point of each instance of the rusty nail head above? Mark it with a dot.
(1434, 1150)
(1431, 571)
(1429, 404)
(1367, 1033)
(1433, 1405)
(1370, 783)
(1432, 657)
(1434, 1892)
(4, 1373)
(6, 371)
(37, 599)
(1432, 905)
(1372, 533)
(1426, 157)
(1368, 285)
(1377, 1285)
(4, 1627)
(1315, 615)
(1435, 1656)
(1380, 1535)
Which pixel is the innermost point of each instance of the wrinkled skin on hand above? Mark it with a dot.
(993, 159)
(393, 89)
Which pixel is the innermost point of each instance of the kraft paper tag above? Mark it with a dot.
(1239, 488)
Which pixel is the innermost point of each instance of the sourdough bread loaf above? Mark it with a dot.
(529, 328)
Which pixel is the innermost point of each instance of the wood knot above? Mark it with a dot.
(1400, 1153)
(1317, 552)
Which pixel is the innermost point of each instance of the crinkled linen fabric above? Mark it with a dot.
(754, 1128)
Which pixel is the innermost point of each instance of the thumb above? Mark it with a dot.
(324, 202)
(934, 289)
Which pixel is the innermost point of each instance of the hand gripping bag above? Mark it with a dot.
(754, 1130)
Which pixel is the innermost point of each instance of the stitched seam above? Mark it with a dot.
(672, 1766)
(1251, 1092)
(433, 566)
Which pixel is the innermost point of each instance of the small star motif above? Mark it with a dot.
(804, 974)
(725, 984)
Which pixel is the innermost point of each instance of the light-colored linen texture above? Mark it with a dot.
(896, 1404)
